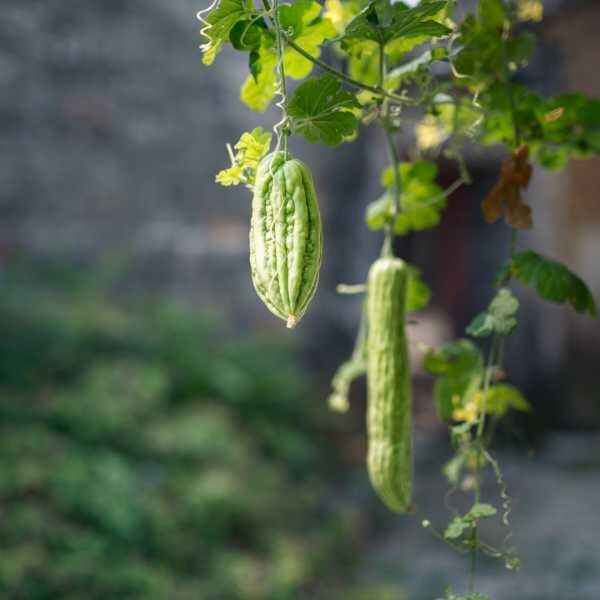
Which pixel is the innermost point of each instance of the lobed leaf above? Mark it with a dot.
(458, 525)
(378, 22)
(302, 23)
(320, 110)
(422, 199)
(498, 318)
(552, 280)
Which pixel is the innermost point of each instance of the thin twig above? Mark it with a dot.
(377, 90)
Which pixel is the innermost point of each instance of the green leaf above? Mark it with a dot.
(459, 368)
(553, 281)
(485, 50)
(417, 21)
(492, 14)
(418, 293)
(498, 318)
(307, 29)
(458, 525)
(456, 528)
(379, 212)
(220, 21)
(422, 199)
(480, 510)
(503, 397)
(364, 26)
(556, 129)
(247, 35)
(371, 24)
(455, 359)
(254, 64)
(251, 147)
(481, 326)
(320, 111)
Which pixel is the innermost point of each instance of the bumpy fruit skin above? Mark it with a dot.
(286, 237)
(389, 414)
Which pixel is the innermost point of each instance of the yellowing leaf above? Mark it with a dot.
(232, 176)
(505, 197)
(251, 147)
(258, 93)
(210, 52)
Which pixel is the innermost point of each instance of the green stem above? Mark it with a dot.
(509, 91)
(282, 80)
(381, 65)
(515, 122)
(473, 569)
(395, 164)
(388, 244)
(494, 353)
(377, 90)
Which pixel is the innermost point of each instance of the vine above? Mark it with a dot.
(456, 68)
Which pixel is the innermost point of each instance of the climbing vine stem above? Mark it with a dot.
(282, 128)
(376, 90)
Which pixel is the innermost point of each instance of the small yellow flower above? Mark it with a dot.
(470, 411)
(530, 10)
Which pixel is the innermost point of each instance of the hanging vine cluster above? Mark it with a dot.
(455, 68)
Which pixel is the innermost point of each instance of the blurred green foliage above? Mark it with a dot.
(147, 455)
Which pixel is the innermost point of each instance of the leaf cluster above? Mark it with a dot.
(499, 318)
(422, 200)
(458, 390)
(465, 523)
(250, 149)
